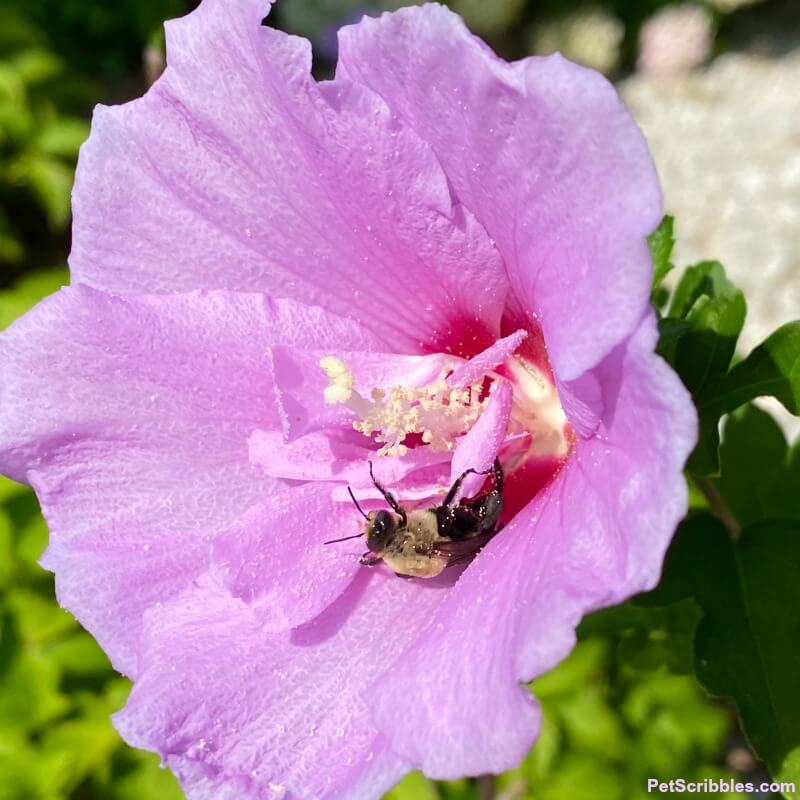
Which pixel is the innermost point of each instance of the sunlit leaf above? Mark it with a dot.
(772, 369)
(790, 774)
(661, 242)
(760, 475)
(37, 66)
(51, 182)
(413, 787)
(63, 136)
(706, 315)
(746, 645)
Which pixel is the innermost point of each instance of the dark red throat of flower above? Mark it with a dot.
(466, 337)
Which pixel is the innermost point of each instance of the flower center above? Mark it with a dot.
(536, 409)
(436, 412)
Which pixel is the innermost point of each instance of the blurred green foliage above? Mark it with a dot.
(57, 59)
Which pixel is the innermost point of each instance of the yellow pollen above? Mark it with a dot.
(341, 380)
(435, 411)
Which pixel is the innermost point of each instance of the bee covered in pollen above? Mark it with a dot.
(421, 543)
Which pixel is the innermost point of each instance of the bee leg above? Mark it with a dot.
(369, 559)
(489, 507)
(388, 496)
(450, 497)
(496, 470)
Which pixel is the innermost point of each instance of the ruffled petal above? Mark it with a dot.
(276, 715)
(272, 182)
(543, 152)
(594, 536)
(130, 417)
(276, 559)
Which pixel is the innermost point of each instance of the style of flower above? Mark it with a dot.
(434, 260)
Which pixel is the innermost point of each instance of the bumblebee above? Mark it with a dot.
(421, 543)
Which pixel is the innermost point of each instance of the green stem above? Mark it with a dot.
(486, 786)
(718, 507)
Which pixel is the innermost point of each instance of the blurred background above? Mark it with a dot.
(714, 85)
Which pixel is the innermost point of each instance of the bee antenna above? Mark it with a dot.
(353, 498)
(344, 539)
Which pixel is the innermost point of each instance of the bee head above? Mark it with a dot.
(381, 526)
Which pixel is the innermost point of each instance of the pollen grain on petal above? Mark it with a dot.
(340, 388)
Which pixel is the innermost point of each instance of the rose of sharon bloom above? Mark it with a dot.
(460, 242)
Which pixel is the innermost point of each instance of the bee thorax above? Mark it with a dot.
(411, 550)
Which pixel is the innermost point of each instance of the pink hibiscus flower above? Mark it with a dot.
(435, 260)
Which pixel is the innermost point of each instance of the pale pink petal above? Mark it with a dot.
(272, 182)
(275, 558)
(276, 715)
(543, 152)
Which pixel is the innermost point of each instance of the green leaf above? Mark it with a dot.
(38, 617)
(9, 489)
(548, 747)
(27, 291)
(587, 659)
(23, 776)
(759, 478)
(37, 66)
(414, 786)
(714, 310)
(6, 549)
(41, 282)
(79, 656)
(11, 249)
(591, 726)
(771, 369)
(148, 781)
(699, 339)
(673, 723)
(51, 182)
(63, 137)
(661, 241)
(77, 748)
(790, 774)
(29, 693)
(583, 778)
(746, 646)
(652, 636)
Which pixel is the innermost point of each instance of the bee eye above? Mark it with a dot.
(379, 531)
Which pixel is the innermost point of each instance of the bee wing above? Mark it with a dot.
(458, 551)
